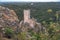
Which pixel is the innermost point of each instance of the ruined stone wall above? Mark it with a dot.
(26, 15)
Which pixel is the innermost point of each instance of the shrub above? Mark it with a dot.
(8, 32)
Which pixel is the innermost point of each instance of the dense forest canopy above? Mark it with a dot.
(42, 11)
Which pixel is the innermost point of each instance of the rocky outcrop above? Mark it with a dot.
(8, 17)
(27, 29)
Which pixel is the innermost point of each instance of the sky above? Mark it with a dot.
(29, 0)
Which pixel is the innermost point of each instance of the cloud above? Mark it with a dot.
(29, 0)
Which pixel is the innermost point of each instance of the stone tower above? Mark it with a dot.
(26, 15)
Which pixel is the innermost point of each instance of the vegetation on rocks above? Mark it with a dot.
(48, 14)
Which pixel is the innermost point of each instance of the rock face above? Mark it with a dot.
(30, 23)
(8, 17)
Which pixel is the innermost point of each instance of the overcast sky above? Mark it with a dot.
(29, 1)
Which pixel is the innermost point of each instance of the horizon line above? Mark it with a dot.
(28, 1)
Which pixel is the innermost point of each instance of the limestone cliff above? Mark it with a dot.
(8, 17)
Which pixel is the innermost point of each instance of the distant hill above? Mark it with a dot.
(38, 9)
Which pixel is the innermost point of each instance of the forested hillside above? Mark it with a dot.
(42, 11)
(47, 26)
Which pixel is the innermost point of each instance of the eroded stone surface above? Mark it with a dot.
(8, 17)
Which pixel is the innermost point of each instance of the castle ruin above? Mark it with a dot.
(27, 18)
(31, 22)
